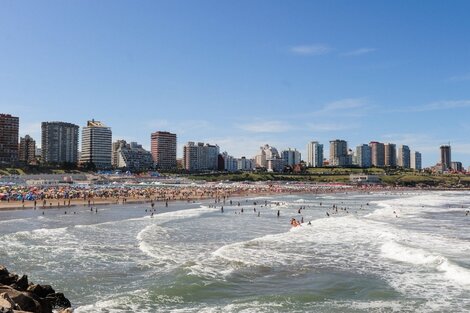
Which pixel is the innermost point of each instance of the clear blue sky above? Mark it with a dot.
(243, 73)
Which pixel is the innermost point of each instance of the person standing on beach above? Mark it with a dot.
(278, 213)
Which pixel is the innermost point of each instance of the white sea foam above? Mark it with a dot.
(37, 233)
(416, 256)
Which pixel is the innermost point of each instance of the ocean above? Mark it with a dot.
(379, 252)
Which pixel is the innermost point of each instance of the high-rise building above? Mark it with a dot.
(269, 158)
(291, 157)
(457, 166)
(390, 155)
(27, 151)
(59, 142)
(131, 156)
(446, 160)
(314, 154)
(9, 131)
(163, 147)
(404, 159)
(377, 153)
(363, 156)
(96, 145)
(200, 157)
(230, 163)
(416, 161)
(245, 164)
(339, 153)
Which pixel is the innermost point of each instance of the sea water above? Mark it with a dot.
(382, 252)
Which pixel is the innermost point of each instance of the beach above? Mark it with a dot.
(20, 196)
(381, 251)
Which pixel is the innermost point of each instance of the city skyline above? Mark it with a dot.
(349, 152)
(252, 74)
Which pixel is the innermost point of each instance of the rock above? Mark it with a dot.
(8, 279)
(17, 295)
(6, 302)
(44, 305)
(58, 300)
(24, 302)
(41, 290)
(21, 284)
(3, 271)
(68, 310)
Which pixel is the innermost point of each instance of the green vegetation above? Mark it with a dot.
(392, 177)
(35, 170)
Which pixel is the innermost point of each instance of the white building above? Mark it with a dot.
(245, 164)
(363, 156)
(314, 154)
(291, 157)
(404, 156)
(96, 145)
(131, 156)
(230, 163)
(269, 158)
(200, 157)
(416, 161)
(364, 179)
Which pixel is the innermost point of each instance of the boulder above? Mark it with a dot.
(17, 295)
(6, 302)
(40, 290)
(24, 302)
(21, 284)
(3, 271)
(67, 310)
(8, 279)
(58, 300)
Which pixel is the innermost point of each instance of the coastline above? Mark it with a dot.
(204, 192)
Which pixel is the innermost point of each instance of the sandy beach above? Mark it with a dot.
(53, 197)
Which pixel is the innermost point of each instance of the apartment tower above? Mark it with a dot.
(339, 153)
(404, 156)
(96, 145)
(163, 148)
(446, 161)
(314, 154)
(59, 142)
(9, 130)
(377, 151)
(27, 153)
(390, 155)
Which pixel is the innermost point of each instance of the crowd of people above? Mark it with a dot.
(70, 194)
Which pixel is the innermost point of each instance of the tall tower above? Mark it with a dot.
(59, 142)
(339, 153)
(163, 147)
(27, 151)
(416, 161)
(446, 161)
(9, 131)
(404, 159)
(377, 153)
(390, 154)
(96, 145)
(314, 154)
(363, 157)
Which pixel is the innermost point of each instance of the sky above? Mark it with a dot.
(242, 74)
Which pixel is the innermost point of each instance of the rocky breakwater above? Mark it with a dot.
(17, 295)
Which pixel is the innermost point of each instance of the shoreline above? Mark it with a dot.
(204, 192)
